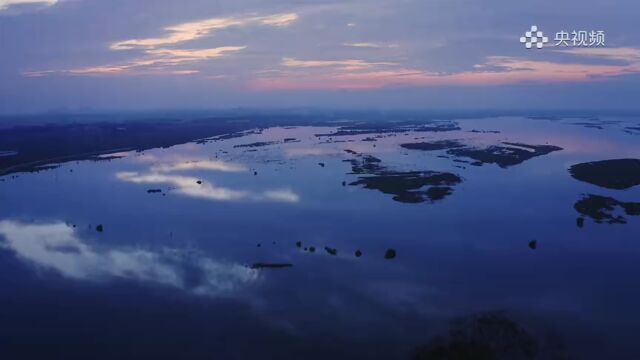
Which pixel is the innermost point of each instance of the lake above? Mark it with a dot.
(343, 239)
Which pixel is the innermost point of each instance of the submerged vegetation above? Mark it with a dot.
(604, 209)
(504, 156)
(616, 174)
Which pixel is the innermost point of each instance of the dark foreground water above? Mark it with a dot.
(463, 239)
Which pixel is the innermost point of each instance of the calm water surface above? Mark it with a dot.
(175, 271)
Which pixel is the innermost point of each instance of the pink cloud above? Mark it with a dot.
(496, 70)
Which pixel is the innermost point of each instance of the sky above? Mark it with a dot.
(444, 54)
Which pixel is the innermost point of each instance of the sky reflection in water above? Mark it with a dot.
(56, 246)
(464, 253)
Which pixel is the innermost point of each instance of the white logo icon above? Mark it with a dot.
(534, 37)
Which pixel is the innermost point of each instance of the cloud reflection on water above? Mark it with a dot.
(185, 185)
(200, 165)
(189, 186)
(57, 246)
(161, 173)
